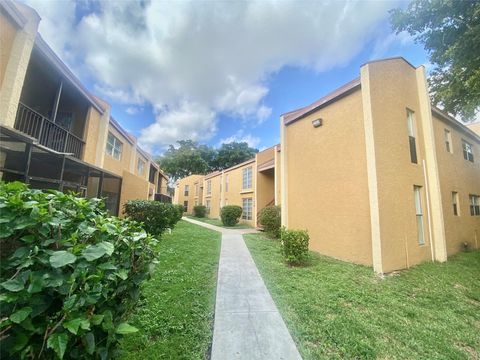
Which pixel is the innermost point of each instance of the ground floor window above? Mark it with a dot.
(185, 206)
(455, 203)
(207, 205)
(247, 205)
(419, 214)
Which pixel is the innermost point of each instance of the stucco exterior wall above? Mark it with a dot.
(114, 165)
(475, 127)
(179, 196)
(215, 196)
(92, 136)
(8, 31)
(236, 193)
(133, 188)
(393, 90)
(463, 177)
(326, 187)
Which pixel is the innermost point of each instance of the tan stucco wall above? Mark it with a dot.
(133, 188)
(278, 177)
(393, 89)
(179, 196)
(215, 196)
(114, 165)
(8, 31)
(326, 188)
(265, 180)
(475, 127)
(463, 177)
(15, 58)
(235, 193)
(92, 136)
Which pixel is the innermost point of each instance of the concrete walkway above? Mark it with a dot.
(247, 322)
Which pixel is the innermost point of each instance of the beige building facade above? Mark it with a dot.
(253, 185)
(54, 133)
(378, 176)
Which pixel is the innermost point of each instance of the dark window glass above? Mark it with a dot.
(413, 150)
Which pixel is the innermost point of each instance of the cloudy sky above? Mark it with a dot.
(217, 71)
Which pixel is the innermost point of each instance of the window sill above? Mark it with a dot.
(246, 191)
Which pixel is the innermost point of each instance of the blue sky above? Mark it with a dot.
(217, 71)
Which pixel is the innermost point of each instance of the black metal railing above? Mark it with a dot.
(47, 132)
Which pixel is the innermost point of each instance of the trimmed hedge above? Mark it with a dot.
(230, 214)
(199, 211)
(271, 220)
(294, 246)
(69, 274)
(156, 217)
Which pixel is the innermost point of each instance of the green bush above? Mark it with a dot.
(230, 214)
(294, 246)
(199, 211)
(156, 217)
(271, 220)
(69, 274)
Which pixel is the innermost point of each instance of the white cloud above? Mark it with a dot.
(215, 56)
(188, 121)
(240, 136)
(383, 43)
(133, 110)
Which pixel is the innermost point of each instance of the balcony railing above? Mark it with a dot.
(47, 132)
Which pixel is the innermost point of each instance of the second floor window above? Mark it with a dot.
(455, 203)
(448, 140)
(474, 205)
(467, 151)
(140, 166)
(114, 147)
(186, 190)
(247, 178)
(411, 136)
(209, 187)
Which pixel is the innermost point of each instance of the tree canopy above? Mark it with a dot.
(189, 158)
(450, 32)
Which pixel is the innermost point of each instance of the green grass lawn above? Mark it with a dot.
(176, 317)
(343, 311)
(218, 222)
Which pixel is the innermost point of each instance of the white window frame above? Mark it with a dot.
(474, 205)
(141, 166)
(417, 193)
(207, 206)
(448, 141)
(209, 187)
(114, 146)
(247, 178)
(412, 139)
(467, 151)
(247, 208)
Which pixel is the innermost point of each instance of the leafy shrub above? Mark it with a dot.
(199, 211)
(69, 274)
(230, 214)
(156, 217)
(294, 246)
(270, 219)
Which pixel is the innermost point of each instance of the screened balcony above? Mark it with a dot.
(52, 109)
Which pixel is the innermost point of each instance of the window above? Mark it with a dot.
(247, 208)
(448, 140)
(411, 136)
(185, 190)
(185, 206)
(467, 151)
(196, 189)
(207, 205)
(455, 203)
(140, 166)
(114, 147)
(247, 178)
(196, 202)
(226, 183)
(209, 187)
(474, 205)
(417, 190)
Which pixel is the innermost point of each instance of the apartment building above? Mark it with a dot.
(377, 175)
(57, 135)
(189, 192)
(252, 185)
